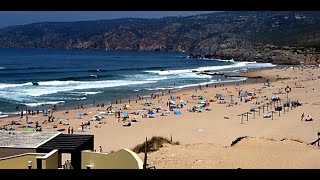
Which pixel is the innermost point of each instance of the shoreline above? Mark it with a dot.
(249, 80)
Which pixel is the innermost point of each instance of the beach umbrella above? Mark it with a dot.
(125, 114)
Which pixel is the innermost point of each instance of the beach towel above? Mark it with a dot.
(177, 112)
(30, 129)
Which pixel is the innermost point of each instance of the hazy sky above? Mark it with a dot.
(8, 18)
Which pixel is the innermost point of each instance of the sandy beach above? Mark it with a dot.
(213, 131)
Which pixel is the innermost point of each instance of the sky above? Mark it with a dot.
(8, 18)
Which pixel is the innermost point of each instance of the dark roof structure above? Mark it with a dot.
(69, 143)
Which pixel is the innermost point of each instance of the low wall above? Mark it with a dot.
(50, 160)
(122, 159)
(8, 151)
(20, 161)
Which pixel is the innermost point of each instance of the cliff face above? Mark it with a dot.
(222, 32)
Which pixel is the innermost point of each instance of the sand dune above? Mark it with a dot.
(249, 153)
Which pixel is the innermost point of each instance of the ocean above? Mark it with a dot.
(70, 78)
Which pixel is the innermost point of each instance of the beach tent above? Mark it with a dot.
(202, 102)
(242, 93)
(79, 115)
(150, 114)
(198, 108)
(125, 114)
(177, 112)
(275, 97)
(110, 113)
(221, 97)
(45, 112)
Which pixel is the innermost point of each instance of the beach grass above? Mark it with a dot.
(154, 144)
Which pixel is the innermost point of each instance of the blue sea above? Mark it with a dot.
(70, 78)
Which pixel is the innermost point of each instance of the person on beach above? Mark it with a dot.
(69, 130)
(27, 118)
(72, 130)
(302, 116)
(100, 149)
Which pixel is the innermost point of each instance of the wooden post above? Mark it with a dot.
(272, 115)
(263, 108)
(254, 113)
(279, 113)
(171, 138)
(145, 155)
(318, 138)
(259, 110)
(242, 118)
(247, 116)
(268, 107)
(284, 110)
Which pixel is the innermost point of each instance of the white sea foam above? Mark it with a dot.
(2, 68)
(3, 86)
(19, 92)
(156, 78)
(159, 88)
(194, 75)
(222, 60)
(43, 103)
(88, 93)
(212, 68)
